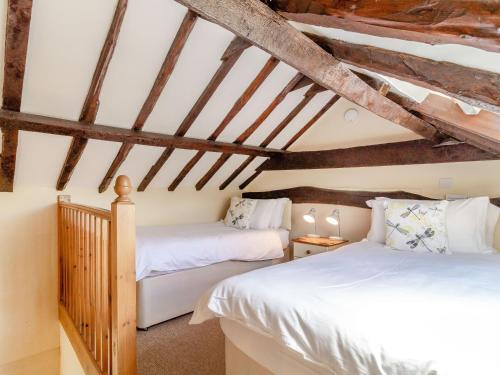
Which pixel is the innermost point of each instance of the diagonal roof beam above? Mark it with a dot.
(236, 108)
(16, 47)
(308, 96)
(267, 30)
(161, 80)
(298, 81)
(229, 58)
(471, 22)
(297, 135)
(474, 86)
(91, 104)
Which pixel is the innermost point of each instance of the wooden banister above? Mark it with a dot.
(97, 302)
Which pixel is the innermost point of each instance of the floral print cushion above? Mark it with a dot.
(239, 212)
(417, 226)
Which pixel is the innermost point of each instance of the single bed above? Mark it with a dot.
(176, 264)
(363, 309)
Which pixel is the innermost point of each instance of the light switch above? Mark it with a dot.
(446, 183)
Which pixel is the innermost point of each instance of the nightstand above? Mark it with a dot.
(305, 246)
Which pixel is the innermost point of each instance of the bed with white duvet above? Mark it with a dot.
(365, 309)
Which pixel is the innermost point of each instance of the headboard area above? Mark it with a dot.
(310, 194)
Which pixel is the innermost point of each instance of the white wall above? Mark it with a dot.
(28, 313)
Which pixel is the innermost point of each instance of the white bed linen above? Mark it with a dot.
(366, 309)
(163, 249)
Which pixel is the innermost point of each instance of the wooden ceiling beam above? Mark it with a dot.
(267, 30)
(472, 23)
(389, 154)
(162, 78)
(235, 109)
(294, 139)
(308, 96)
(16, 48)
(230, 56)
(91, 104)
(11, 120)
(298, 80)
(474, 86)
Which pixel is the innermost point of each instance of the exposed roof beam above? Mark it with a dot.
(235, 109)
(399, 153)
(308, 96)
(474, 86)
(264, 28)
(471, 22)
(10, 120)
(161, 80)
(91, 104)
(481, 130)
(229, 58)
(16, 47)
(298, 80)
(294, 139)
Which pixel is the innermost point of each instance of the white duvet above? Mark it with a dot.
(163, 249)
(365, 309)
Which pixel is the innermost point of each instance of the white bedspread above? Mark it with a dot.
(365, 309)
(178, 247)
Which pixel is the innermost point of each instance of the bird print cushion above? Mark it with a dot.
(417, 226)
(239, 212)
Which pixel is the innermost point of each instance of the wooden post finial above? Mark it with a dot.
(123, 187)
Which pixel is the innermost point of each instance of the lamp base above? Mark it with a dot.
(311, 235)
(335, 238)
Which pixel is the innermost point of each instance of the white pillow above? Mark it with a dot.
(279, 209)
(287, 216)
(417, 226)
(262, 216)
(491, 223)
(239, 212)
(466, 224)
(377, 228)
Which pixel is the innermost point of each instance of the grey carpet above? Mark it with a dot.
(176, 348)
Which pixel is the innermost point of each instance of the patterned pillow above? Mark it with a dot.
(239, 212)
(417, 226)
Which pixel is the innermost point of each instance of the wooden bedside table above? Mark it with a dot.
(305, 246)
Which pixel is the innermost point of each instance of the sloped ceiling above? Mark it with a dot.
(64, 45)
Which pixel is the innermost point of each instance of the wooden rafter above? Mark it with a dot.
(16, 47)
(292, 140)
(398, 153)
(161, 80)
(229, 58)
(296, 81)
(235, 109)
(481, 130)
(470, 22)
(264, 28)
(11, 121)
(474, 86)
(308, 96)
(91, 104)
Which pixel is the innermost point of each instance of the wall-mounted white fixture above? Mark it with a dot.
(310, 217)
(351, 115)
(334, 219)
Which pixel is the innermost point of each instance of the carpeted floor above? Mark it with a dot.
(176, 348)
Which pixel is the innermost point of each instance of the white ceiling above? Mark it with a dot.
(65, 41)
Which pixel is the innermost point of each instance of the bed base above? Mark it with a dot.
(168, 296)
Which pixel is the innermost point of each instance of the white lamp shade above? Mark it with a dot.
(332, 220)
(309, 218)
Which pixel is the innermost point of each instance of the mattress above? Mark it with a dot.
(165, 249)
(366, 309)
